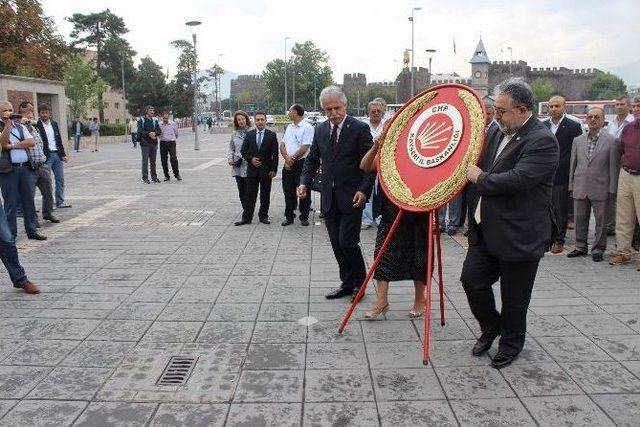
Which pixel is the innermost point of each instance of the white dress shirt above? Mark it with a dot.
(51, 136)
(296, 136)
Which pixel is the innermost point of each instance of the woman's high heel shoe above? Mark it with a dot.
(375, 312)
(415, 314)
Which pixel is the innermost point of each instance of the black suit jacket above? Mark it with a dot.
(268, 153)
(341, 173)
(517, 218)
(567, 131)
(45, 140)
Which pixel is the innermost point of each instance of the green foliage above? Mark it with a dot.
(81, 86)
(149, 88)
(605, 86)
(181, 89)
(542, 91)
(105, 129)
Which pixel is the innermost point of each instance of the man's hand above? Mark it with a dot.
(302, 191)
(288, 162)
(473, 173)
(272, 174)
(359, 199)
(152, 135)
(64, 159)
(255, 161)
(231, 162)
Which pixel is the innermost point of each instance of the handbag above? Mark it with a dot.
(238, 162)
(316, 182)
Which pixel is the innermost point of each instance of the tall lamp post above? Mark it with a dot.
(411, 18)
(192, 25)
(430, 52)
(286, 105)
(219, 88)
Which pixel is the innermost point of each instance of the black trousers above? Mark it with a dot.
(561, 201)
(168, 148)
(149, 152)
(479, 272)
(290, 182)
(252, 183)
(242, 185)
(344, 233)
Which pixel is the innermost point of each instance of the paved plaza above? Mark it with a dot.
(136, 274)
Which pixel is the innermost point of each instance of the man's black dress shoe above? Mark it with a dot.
(265, 220)
(597, 257)
(167, 178)
(576, 253)
(241, 223)
(304, 222)
(37, 237)
(500, 360)
(51, 218)
(286, 222)
(156, 180)
(178, 177)
(339, 293)
(483, 344)
(146, 181)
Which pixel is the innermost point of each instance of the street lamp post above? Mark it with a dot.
(430, 52)
(286, 105)
(219, 88)
(196, 142)
(411, 18)
(124, 100)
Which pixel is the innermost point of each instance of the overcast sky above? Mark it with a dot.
(369, 36)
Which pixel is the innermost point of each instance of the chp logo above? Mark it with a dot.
(435, 135)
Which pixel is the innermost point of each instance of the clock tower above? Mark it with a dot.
(480, 70)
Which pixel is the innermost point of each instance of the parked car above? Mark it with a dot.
(270, 120)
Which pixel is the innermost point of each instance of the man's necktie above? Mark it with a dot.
(259, 139)
(334, 137)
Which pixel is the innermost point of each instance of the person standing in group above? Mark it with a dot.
(53, 150)
(593, 179)
(94, 128)
(42, 173)
(340, 143)
(168, 140)
(510, 220)
(260, 151)
(133, 130)
(234, 155)
(77, 128)
(17, 179)
(371, 211)
(148, 133)
(294, 149)
(565, 130)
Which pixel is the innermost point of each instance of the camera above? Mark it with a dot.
(15, 116)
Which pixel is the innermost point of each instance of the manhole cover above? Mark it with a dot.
(178, 370)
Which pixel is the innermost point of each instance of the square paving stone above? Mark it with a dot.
(550, 326)
(98, 354)
(120, 330)
(621, 347)
(455, 353)
(17, 381)
(455, 329)
(338, 386)
(491, 412)
(389, 331)
(69, 329)
(279, 332)
(37, 413)
(116, 414)
(275, 356)
(566, 411)
(185, 312)
(234, 313)
(286, 295)
(540, 379)
(335, 356)
(270, 386)
(599, 324)
(42, 353)
(395, 355)
(363, 414)
(473, 382)
(196, 295)
(622, 408)
(188, 414)
(282, 312)
(407, 384)
(416, 414)
(172, 332)
(6, 405)
(71, 383)
(137, 311)
(265, 415)
(231, 332)
(8, 346)
(572, 349)
(602, 377)
(327, 331)
(145, 294)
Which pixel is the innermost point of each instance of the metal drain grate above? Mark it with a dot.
(178, 370)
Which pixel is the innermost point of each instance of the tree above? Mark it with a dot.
(149, 88)
(103, 31)
(81, 85)
(307, 74)
(29, 44)
(605, 86)
(181, 89)
(542, 91)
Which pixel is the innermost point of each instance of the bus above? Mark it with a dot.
(579, 109)
(393, 108)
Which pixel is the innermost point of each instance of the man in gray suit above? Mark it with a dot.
(593, 180)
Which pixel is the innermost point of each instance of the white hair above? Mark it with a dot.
(332, 91)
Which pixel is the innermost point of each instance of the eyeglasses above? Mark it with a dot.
(593, 117)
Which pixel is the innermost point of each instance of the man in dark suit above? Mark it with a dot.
(340, 143)
(565, 130)
(53, 151)
(260, 151)
(510, 220)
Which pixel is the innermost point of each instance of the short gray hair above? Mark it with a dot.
(372, 103)
(635, 100)
(332, 91)
(381, 100)
(518, 90)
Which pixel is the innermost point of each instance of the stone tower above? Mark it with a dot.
(480, 70)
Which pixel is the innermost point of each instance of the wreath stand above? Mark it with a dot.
(433, 247)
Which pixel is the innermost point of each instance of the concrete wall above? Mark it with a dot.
(16, 89)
